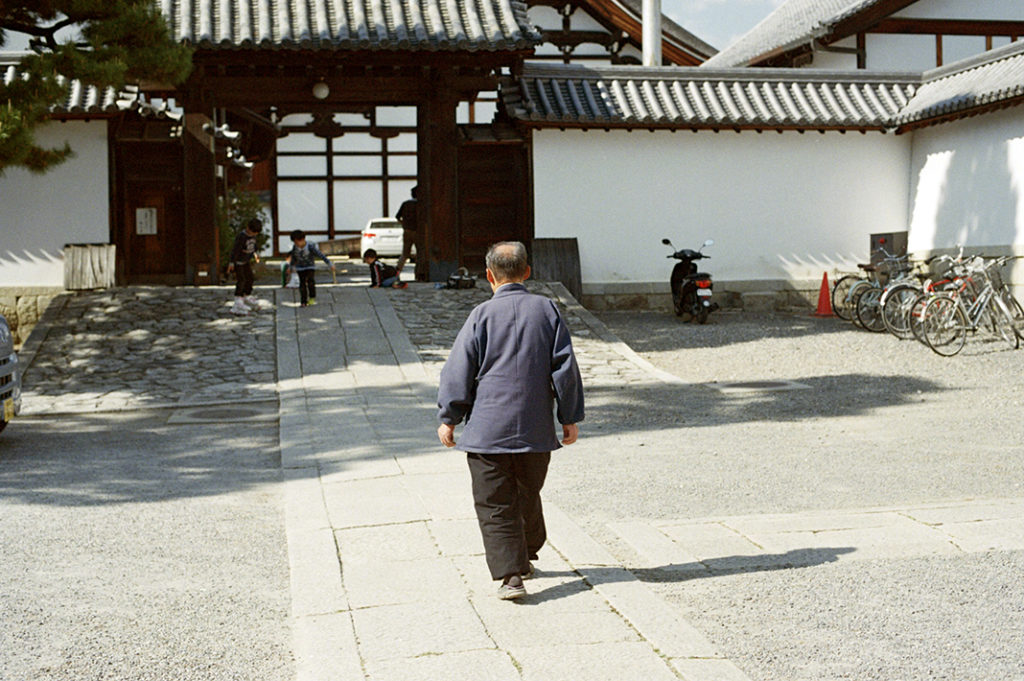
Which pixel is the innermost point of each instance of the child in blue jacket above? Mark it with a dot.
(301, 259)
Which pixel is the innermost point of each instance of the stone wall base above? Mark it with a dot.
(23, 306)
(752, 296)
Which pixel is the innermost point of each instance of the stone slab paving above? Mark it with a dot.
(148, 346)
(407, 582)
(803, 539)
(687, 547)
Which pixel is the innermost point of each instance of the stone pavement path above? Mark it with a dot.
(388, 576)
(390, 517)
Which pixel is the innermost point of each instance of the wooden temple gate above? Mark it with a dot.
(253, 67)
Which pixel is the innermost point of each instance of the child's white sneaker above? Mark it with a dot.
(252, 301)
(240, 308)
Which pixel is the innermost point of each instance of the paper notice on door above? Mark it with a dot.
(145, 221)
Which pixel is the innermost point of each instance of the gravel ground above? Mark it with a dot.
(882, 423)
(960, 619)
(135, 550)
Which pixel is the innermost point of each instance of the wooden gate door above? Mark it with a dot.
(154, 238)
(495, 193)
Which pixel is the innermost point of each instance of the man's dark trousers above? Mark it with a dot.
(506, 493)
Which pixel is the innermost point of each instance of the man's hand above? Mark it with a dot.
(231, 267)
(570, 431)
(446, 434)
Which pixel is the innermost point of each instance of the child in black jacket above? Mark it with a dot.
(381, 274)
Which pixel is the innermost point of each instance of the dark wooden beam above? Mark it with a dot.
(865, 19)
(948, 27)
(577, 38)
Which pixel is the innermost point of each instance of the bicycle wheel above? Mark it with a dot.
(1003, 320)
(869, 312)
(840, 296)
(1015, 308)
(944, 326)
(896, 306)
(917, 315)
(853, 297)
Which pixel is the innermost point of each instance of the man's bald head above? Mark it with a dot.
(507, 261)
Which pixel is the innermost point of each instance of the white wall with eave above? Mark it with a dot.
(967, 186)
(780, 207)
(39, 214)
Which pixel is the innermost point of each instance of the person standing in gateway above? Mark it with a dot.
(511, 363)
(410, 233)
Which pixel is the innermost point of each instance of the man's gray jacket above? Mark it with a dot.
(511, 362)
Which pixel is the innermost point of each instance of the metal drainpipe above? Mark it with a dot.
(652, 32)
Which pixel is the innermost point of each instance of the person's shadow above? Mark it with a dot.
(681, 572)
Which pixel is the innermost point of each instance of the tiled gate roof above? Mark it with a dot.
(400, 25)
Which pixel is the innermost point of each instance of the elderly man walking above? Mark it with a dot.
(511, 363)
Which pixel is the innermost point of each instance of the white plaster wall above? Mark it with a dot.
(779, 207)
(890, 52)
(967, 183)
(39, 214)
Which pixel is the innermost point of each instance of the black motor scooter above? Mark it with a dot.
(691, 290)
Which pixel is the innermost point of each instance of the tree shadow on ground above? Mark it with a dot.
(661, 406)
(131, 457)
(646, 331)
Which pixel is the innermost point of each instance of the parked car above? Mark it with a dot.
(10, 381)
(383, 235)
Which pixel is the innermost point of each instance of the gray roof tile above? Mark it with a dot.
(804, 99)
(400, 25)
(985, 80)
(794, 23)
(704, 98)
(78, 99)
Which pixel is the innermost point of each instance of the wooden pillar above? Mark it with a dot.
(438, 186)
(201, 238)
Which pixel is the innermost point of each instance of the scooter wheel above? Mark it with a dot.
(702, 316)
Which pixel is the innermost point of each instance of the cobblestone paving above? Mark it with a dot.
(135, 347)
(433, 318)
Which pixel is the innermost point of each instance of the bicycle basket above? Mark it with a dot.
(995, 276)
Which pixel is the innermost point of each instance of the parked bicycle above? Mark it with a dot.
(947, 317)
(848, 290)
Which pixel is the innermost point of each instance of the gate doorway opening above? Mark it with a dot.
(336, 170)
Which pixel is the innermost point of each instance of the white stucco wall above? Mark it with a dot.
(967, 183)
(39, 214)
(780, 207)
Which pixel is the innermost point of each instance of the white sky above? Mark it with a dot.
(718, 22)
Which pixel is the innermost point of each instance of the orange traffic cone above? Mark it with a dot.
(824, 299)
